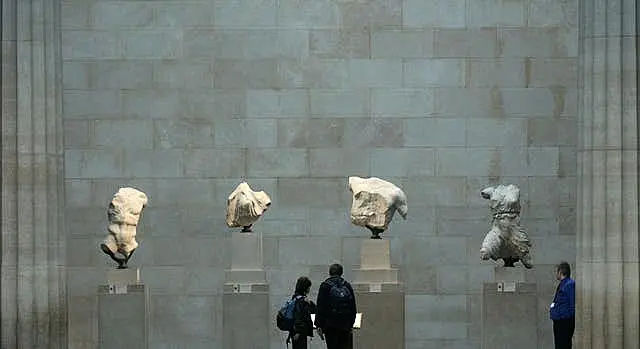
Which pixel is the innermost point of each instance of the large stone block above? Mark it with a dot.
(322, 14)
(75, 14)
(214, 162)
(304, 251)
(121, 14)
(246, 133)
(470, 161)
(527, 101)
(340, 103)
(490, 13)
(83, 104)
(277, 163)
(336, 162)
(121, 74)
(319, 192)
(277, 103)
(373, 133)
(434, 132)
(497, 73)
(254, 315)
(397, 43)
(554, 72)
(246, 74)
(187, 75)
(440, 13)
(151, 103)
(90, 44)
(158, 44)
(75, 75)
(254, 13)
(459, 43)
(184, 14)
(480, 102)
(556, 13)
(340, 43)
(434, 72)
(136, 134)
(402, 102)
(530, 42)
(494, 132)
(156, 163)
(76, 133)
(375, 73)
(103, 163)
(403, 162)
(182, 134)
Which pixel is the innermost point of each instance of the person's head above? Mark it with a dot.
(335, 270)
(563, 270)
(303, 286)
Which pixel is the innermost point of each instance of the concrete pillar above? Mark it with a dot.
(607, 271)
(32, 274)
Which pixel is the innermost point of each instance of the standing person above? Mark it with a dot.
(336, 310)
(302, 325)
(563, 309)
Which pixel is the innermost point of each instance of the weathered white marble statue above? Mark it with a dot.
(123, 214)
(374, 203)
(507, 239)
(245, 207)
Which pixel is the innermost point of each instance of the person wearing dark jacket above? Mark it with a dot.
(302, 325)
(336, 310)
(563, 309)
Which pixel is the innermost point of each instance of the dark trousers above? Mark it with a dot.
(563, 332)
(338, 338)
(301, 343)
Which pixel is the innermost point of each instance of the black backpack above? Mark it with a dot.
(340, 299)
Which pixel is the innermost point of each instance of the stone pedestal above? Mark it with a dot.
(123, 311)
(380, 299)
(509, 311)
(246, 295)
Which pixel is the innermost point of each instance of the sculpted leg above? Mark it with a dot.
(490, 246)
(110, 253)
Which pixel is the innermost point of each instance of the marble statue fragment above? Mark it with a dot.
(375, 201)
(245, 207)
(123, 214)
(506, 239)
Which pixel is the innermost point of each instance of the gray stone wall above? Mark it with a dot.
(182, 99)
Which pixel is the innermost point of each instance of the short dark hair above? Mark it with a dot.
(303, 285)
(335, 270)
(564, 268)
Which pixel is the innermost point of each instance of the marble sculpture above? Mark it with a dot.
(506, 239)
(245, 207)
(374, 203)
(123, 214)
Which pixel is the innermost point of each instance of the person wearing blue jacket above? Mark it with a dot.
(563, 309)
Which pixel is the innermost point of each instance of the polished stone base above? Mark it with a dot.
(509, 314)
(246, 318)
(123, 311)
(382, 325)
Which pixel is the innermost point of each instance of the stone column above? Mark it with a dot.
(32, 273)
(607, 238)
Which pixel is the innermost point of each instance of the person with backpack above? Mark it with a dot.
(336, 310)
(295, 315)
